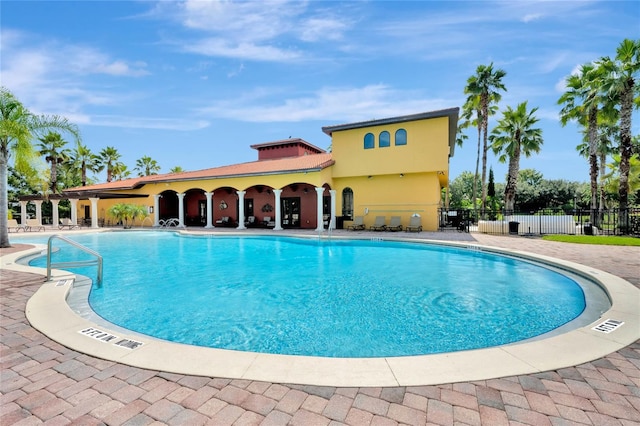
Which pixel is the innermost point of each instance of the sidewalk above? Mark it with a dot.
(43, 382)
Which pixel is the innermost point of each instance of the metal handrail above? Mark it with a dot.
(97, 261)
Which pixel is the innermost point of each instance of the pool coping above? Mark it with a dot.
(48, 311)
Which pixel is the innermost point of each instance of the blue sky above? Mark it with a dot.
(194, 83)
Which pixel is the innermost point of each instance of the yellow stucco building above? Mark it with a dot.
(386, 167)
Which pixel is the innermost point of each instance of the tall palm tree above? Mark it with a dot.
(109, 157)
(52, 146)
(582, 102)
(512, 137)
(176, 169)
(483, 90)
(86, 160)
(120, 171)
(147, 166)
(18, 126)
(621, 88)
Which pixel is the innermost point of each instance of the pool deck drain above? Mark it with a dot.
(614, 375)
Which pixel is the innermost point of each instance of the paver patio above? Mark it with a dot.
(44, 382)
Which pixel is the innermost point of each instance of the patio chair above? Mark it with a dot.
(395, 224)
(65, 222)
(33, 225)
(266, 221)
(415, 224)
(13, 224)
(379, 224)
(251, 221)
(358, 224)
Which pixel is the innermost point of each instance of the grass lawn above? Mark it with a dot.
(594, 239)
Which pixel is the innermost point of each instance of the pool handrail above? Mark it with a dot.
(97, 261)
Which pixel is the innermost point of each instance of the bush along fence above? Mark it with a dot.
(544, 221)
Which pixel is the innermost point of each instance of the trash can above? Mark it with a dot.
(513, 228)
(339, 222)
(588, 229)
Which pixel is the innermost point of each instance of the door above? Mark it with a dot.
(291, 212)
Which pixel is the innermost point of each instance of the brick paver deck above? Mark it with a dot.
(44, 382)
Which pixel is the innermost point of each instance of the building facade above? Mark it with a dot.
(388, 167)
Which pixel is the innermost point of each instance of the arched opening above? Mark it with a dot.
(168, 205)
(195, 208)
(347, 204)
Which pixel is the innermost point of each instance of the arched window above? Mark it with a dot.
(401, 137)
(385, 139)
(347, 203)
(369, 141)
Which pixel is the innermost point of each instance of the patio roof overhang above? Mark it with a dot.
(66, 195)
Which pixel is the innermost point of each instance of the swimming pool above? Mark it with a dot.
(337, 298)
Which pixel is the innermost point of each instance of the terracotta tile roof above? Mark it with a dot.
(282, 165)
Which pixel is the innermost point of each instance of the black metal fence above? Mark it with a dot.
(545, 221)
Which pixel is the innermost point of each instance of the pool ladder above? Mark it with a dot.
(97, 261)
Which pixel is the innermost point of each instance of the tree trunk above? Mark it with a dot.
(593, 163)
(602, 204)
(485, 128)
(626, 151)
(4, 199)
(512, 181)
(475, 176)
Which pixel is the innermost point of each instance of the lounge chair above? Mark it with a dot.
(395, 224)
(66, 223)
(415, 224)
(251, 221)
(33, 225)
(225, 221)
(358, 224)
(379, 224)
(13, 224)
(266, 221)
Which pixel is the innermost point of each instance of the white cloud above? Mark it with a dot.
(532, 17)
(222, 47)
(260, 31)
(147, 122)
(330, 103)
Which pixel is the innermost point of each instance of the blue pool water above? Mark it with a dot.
(337, 298)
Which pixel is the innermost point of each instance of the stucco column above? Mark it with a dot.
(209, 196)
(23, 213)
(156, 210)
(241, 210)
(74, 211)
(94, 211)
(332, 221)
(181, 210)
(54, 213)
(276, 193)
(319, 192)
(38, 204)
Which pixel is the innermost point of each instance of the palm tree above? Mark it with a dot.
(18, 126)
(176, 169)
(620, 86)
(482, 90)
(120, 171)
(146, 166)
(123, 212)
(52, 146)
(86, 160)
(109, 156)
(582, 102)
(514, 136)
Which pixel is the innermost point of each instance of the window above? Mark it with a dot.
(347, 204)
(401, 137)
(385, 139)
(369, 141)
